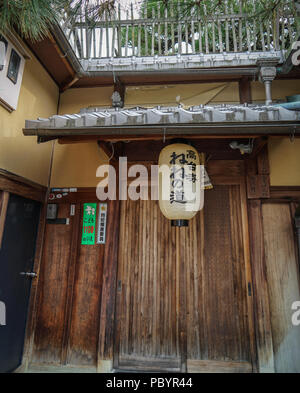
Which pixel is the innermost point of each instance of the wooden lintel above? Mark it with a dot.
(68, 140)
(18, 185)
(285, 193)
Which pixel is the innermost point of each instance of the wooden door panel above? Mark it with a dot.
(148, 293)
(70, 286)
(283, 284)
(85, 315)
(217, 315)
(53, 283)
(203, 264)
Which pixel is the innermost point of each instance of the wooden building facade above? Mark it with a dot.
(216, 296)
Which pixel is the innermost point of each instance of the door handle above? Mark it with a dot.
(28, 274)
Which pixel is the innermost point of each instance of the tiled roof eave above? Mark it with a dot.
(237, 118)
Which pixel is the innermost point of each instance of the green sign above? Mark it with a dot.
(89, 223)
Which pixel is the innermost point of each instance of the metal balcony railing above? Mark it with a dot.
(165, 33)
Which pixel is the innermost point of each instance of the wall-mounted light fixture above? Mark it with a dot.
(244, 149)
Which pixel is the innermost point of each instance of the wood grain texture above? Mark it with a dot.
(183, 292)
(52, 290)
(34, 293)
(263, 326)
(148, 292)
(71, 281)
(69, 296)
(19, 186)
(283, 283)
(217, 327)
(84, 332)
(213, 366)
(110, 265)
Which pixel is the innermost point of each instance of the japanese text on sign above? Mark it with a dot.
(89, 224)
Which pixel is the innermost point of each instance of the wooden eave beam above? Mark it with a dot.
(73, 76)
(116, 138)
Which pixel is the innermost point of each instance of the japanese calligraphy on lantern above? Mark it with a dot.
(183, 171)
(181, 194)
(89, 223)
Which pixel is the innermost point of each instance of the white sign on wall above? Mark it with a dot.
(11, 73)
(102, 220)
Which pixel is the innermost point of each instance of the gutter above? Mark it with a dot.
(212, 129)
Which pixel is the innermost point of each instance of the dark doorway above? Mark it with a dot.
(16, 257)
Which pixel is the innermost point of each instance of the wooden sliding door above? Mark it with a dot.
(184, 298)
(69, 296)
(148, 290)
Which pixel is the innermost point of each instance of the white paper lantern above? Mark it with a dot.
(181, 195)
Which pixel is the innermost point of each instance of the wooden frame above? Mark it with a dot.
(18, 185)
(235, 175)
(14, 184)
(258, 169)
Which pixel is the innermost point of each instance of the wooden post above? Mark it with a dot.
(258, 181)
(263, 327)
(110, 266)
(71, 282)
(245, 91)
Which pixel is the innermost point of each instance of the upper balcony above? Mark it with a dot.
(181, 35)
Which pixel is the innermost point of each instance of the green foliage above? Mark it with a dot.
(33, 18)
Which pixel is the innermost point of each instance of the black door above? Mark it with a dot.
(16, 256)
